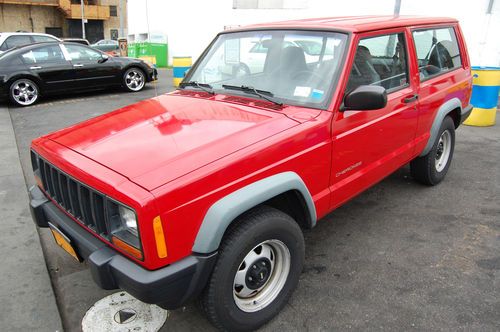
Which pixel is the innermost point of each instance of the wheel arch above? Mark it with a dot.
(452, 107)
(31, 77)
(284, 191)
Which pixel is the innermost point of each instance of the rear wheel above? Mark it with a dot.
(134, 79)
(432, 168)
(259, 264)
(23, 92)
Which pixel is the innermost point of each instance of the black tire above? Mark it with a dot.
(424, 169)
(128, 85)
(252, 229)
(31, 89)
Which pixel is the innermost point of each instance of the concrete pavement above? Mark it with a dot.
(28, 301)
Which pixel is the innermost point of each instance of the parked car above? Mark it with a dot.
(109, 46)
(9, 40)
(77, 40)
(61, 68)
(204, 192)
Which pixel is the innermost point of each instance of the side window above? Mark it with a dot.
(40, 39)
(82, 53)
(380, 60)
(15, 41)
(437, 51)
(47, 54)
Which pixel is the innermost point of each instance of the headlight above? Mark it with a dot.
(129, 220)
(124, 228)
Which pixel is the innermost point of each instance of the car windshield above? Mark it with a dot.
(292, 67)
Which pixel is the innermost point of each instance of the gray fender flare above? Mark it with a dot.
(444, 110)
(220, 215)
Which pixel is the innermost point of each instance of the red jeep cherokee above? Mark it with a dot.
(204, 192)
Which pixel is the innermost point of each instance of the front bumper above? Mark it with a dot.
(169, 287)
(152, 75)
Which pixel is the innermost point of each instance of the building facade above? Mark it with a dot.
(105, 19)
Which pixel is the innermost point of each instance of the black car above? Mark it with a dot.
(28, 72)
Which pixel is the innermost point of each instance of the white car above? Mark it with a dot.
(9, 40)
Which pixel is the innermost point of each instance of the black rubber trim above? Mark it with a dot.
(170, 287)
(465, 113)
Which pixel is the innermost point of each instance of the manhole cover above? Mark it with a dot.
(122, 312)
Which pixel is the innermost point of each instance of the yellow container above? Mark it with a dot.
(181, 65)
(485, 89)
(148, 58)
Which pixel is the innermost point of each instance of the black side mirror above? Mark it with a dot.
(365, 98)
(103, 58)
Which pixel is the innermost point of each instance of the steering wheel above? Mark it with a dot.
(241, 70)
(304, 73)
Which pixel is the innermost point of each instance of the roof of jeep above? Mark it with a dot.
(353, 23)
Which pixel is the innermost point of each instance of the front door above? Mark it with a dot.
(369, 145)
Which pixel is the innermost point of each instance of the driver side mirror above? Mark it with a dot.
(103, 58)
(365, 98)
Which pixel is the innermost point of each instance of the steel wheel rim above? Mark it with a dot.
(443, 151)
(24, 92)
(254, 297)
(134, 79)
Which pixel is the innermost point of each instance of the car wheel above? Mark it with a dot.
(258, 267)
(134, 79)
(23, 92)
(432, 168)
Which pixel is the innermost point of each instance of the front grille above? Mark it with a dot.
(85, 204)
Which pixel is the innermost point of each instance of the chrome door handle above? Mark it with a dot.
(35, 67)
(78, 65)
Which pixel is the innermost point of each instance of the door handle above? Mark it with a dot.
(35, 67)
(410, 99)
(78, 65)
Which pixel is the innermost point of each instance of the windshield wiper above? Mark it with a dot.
(249, 89)
(203, 86)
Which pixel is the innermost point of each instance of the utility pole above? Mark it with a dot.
(122, 34)
(397, 7)
(83, 18)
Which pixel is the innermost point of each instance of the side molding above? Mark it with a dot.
(446, 108)
(224, 211)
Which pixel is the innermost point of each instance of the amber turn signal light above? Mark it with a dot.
(161, 247)
(127, 247)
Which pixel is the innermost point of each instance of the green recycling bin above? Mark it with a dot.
(157, 50)
(160, 52)
(132, 50)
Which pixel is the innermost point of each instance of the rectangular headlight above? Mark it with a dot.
(124, 226)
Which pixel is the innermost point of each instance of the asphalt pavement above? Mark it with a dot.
(400, 256)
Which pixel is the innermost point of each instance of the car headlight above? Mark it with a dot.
(124, 228)
(128, 218)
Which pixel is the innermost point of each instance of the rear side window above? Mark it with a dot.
(437, 51)
(382, 61)
(47, 54)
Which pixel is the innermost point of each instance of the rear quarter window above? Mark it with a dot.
(437, 51)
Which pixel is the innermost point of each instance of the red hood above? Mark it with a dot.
(157, 140)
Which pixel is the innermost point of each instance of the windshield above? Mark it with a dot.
(294, 67)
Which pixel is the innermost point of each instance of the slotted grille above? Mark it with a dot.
(82, 202)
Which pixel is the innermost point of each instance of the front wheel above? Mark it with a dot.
(432, 168)
(259, 264)
(134, 80)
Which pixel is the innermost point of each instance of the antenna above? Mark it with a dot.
(149, 41)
